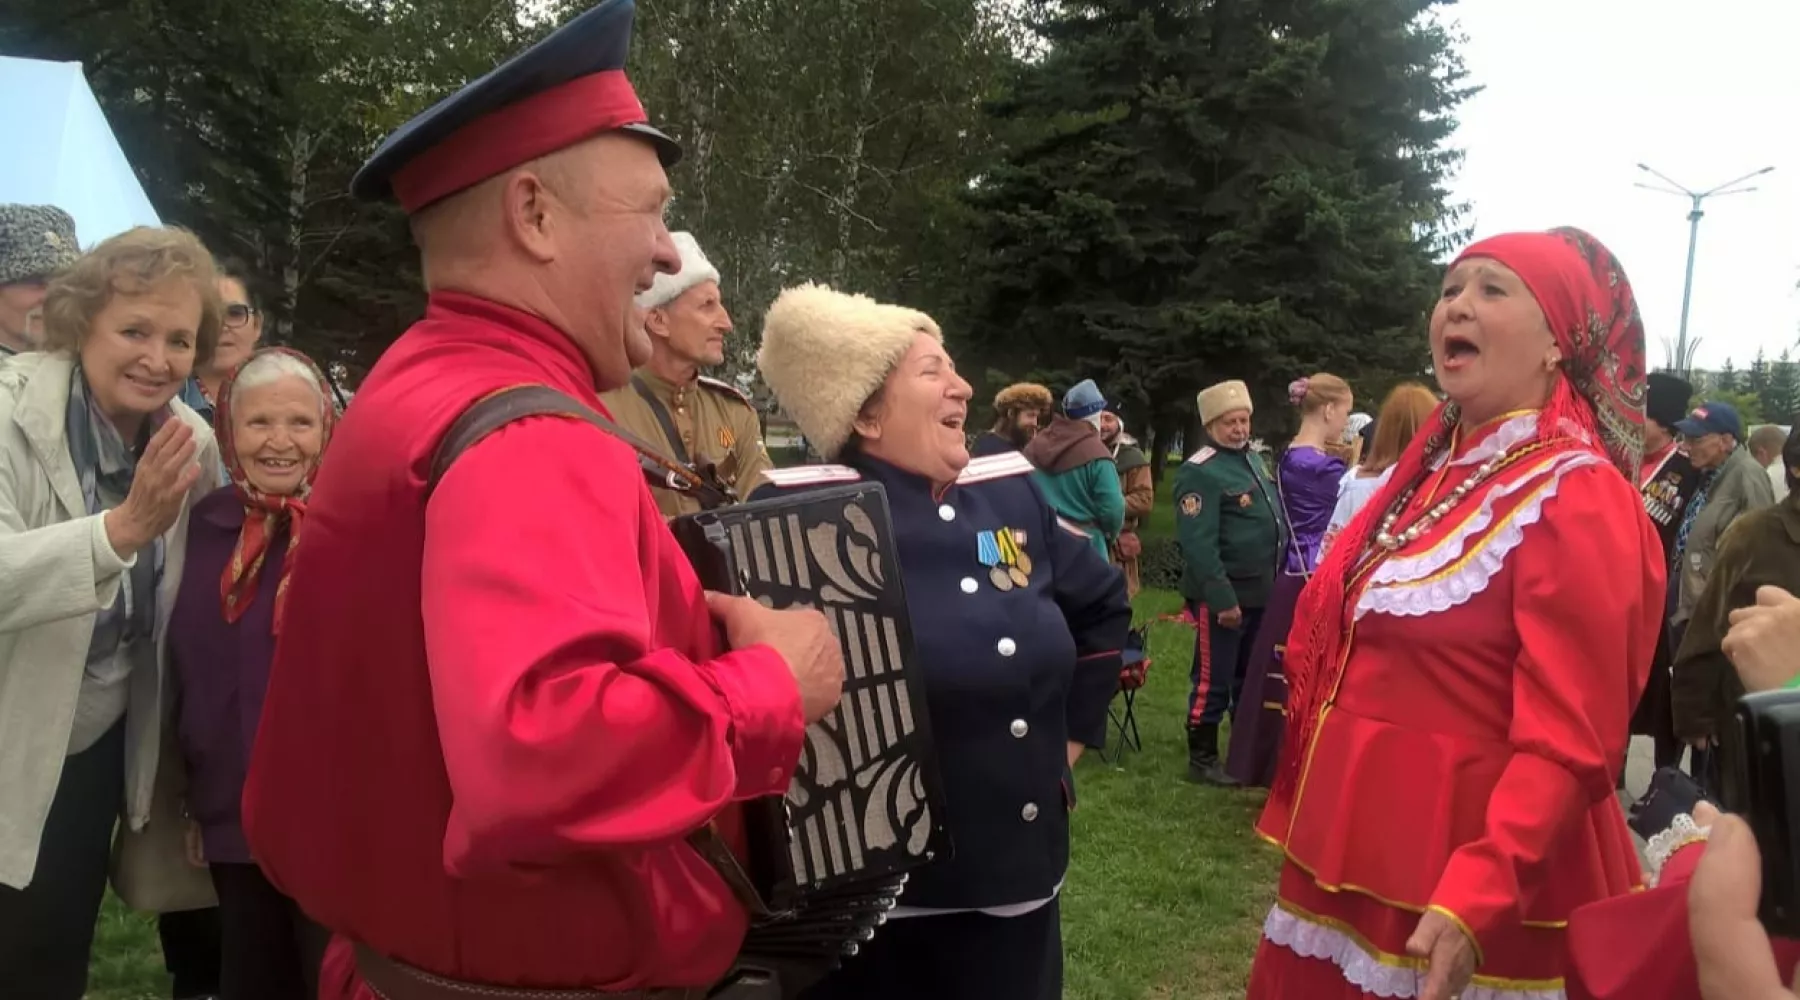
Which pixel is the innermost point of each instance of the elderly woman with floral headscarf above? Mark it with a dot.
(273, 420)
(1465, 661)
(1019, 624)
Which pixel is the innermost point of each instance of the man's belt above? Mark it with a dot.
(394, 980)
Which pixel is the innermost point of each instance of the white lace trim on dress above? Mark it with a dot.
(1366, 972)
(1682, 832)
(1412, 586)
(1508, 436)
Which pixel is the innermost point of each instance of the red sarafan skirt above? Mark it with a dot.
(1280, 974)
(1320, 944)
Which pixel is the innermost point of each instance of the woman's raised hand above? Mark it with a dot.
(165, 473)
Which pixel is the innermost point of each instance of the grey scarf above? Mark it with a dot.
(105, 467)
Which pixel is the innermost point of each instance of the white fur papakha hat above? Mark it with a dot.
(824, 353)
(1217, 400)
(695, 269)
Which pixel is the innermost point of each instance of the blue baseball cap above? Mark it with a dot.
(1711, 417)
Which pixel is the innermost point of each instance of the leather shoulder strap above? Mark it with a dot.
(496, 410)
(663, 420)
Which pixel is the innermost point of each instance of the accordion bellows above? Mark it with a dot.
(824, 353)
(866, 804)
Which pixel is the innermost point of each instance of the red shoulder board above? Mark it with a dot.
(811, 475)
(1007, 463)
(727, 388)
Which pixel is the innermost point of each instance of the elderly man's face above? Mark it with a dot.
(19, 302)
(1709, 451)
(611, 241)
(693, 326)
(1231, 430)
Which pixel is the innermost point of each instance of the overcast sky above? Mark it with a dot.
(1580, 91)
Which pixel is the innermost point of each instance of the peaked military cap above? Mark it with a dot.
(568, 87)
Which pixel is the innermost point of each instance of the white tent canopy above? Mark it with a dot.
(60, 151)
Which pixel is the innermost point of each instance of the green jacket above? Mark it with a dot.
(1076, 472)
(1758, 550)
(1229, 523)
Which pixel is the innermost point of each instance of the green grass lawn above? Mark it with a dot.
(127, 963)
(1165, 895)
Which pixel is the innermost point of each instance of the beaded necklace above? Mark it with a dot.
(1387, 539)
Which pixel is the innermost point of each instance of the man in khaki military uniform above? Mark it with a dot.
(694, 420)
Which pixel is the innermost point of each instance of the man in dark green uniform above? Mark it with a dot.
(1229, 523)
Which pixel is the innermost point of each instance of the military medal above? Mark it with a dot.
(987, 549)
(1018, 569)
(1244, 500)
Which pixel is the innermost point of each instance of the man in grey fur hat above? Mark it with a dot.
(36, 242)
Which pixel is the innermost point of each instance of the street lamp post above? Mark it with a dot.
(1695, 198)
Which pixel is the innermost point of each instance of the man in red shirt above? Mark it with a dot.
(496, 712)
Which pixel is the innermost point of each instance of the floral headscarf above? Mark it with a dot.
(1598, 404)
(264, 513)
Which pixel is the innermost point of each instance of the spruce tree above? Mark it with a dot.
(1756, 379)
(1781, 396)
(1726, 379)
(1194, 192)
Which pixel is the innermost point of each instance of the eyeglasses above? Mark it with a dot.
(238, 313)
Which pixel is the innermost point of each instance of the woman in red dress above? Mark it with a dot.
(1465, 662)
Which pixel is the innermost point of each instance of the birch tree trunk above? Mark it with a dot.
(300, 146)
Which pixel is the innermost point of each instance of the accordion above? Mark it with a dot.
(829, 859)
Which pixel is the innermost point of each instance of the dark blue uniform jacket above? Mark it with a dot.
(1011, 675)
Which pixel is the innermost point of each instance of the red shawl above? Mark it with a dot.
(1599, 402)
(264, 513)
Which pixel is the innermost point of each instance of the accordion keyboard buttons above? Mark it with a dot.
(969, 586)
(1029, 813)
(946, 513)
(1006, 647)
(1019, 728)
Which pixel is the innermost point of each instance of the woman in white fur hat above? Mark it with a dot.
(1019, 623)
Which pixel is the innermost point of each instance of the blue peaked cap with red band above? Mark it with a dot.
(568, 87)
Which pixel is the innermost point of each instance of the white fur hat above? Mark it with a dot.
(824, 353)
(1217, 400)
(695, 269)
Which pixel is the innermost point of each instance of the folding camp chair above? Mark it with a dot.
(1123, 717)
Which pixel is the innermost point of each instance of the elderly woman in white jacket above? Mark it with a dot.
(99, 463)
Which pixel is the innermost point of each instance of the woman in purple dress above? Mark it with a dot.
(1307, 477)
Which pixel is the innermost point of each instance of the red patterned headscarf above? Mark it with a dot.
(264, 513)
(1597, 404)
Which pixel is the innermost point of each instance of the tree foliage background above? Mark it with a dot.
(1154, 193)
